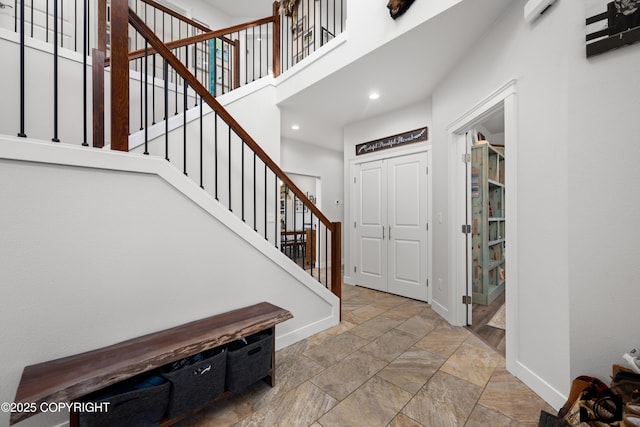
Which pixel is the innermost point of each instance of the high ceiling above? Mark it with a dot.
(404, 71)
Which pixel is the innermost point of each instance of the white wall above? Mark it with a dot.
(576, 307)
(603, 150)
(298, 157)
(98, 247)
(409, 118)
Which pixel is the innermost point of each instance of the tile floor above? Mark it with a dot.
(391, 362)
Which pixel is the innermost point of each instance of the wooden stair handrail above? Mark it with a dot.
(164, 51)
(217, 34)
(177, 15)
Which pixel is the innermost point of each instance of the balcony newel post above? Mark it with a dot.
(276, 38)
(119, 75)
(336, 262)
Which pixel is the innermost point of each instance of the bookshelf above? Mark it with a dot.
(488, 229)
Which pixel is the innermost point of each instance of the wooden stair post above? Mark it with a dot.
(120, 75)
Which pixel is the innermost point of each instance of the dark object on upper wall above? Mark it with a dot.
(398, 7)
(620, 26)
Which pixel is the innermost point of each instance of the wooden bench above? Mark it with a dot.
(70, 378)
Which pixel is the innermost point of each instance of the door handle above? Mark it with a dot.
(389, 232)
(383, 232)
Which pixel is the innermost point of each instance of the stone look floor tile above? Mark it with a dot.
(483, 417)
(444, 340)
(402, 420)
(412, 369)
(381, 363)
(390, 345)
(473, 364)
(342, 379)
(419, 325)
(224, 413)
(293, 371)
(374, 404)
(362, 314)
(375, 327)
(445, 401)
(335, 349)
(299, 407)
(509, 396)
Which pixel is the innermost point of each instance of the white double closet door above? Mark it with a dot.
(392, 225)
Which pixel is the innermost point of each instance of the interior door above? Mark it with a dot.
(391, 225)
(371, 219)
(407, 229)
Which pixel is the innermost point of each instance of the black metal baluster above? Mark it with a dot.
(87, 24)
(201, 144)
(242, 178)
(311, 243)
(260, 45)
(275, 213)
(215, 148)
(223, 67)
(265, 202)
(15, 15)
(46, 14)
(185, 88)
(146, 96)
(75, 25)
(246, 56)
(21, 133)
(326, 256)
(153, 91)
(253, 54)
(141, 91)
(195, 66)
(31, 18)
(295, 215)
(85, 85)
(229, 174)
(255, 224)
(215, 68)
(166, 110)
(55, 71)
(62, 24)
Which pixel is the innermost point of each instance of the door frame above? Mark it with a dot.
(504, 97)
(428, 149)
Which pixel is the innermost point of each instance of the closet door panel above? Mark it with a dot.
(407, 195)
(371, 219)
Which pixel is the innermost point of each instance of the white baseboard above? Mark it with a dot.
(306, 331)
(542, 388)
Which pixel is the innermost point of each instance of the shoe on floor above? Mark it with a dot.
(631, 421)
(633, 360)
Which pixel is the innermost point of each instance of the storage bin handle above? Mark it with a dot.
(254, 351)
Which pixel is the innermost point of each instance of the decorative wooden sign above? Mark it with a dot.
(615, 24)
(411, 137)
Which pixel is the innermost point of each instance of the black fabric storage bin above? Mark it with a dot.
(195, 384)
(131, 404)
(249, 361)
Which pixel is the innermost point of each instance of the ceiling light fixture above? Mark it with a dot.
(295, 127)
(374, 95)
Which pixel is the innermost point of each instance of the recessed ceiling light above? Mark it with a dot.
(295, 127)
(374, 95)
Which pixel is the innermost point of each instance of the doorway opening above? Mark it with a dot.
(497, 116)
(485, 197)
